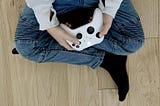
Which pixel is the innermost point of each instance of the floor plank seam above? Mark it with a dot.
(107, 89)
(152, 37)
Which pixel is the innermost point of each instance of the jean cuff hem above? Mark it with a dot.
(99, 61)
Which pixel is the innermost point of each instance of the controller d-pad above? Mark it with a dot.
(79, 35)
(90, 30)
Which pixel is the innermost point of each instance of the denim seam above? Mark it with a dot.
(41, 57)
(128, 51)
(111, 38)
(18, 38)
(98, 63)
(133, 18)
(26, 41)
(44, 49)
(30, 42)
(28, 22)
(99, 57)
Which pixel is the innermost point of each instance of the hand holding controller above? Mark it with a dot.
(87, 34)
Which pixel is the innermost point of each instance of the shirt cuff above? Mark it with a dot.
(43, 17)
(110, 7)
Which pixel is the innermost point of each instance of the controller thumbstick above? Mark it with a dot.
(79, 35)
(90, 30)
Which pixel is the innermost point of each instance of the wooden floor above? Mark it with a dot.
(25, 83)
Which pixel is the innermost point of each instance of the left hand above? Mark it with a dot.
(107, 22)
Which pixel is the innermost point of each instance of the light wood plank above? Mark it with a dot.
(159, 66)
(22, 72)
(83, 86)
(52, 84)
(144, 75)
(109, 97)
(12, 9)
(105, 80)
(6, 97)
(24, 82)
(148, 11)
(159, 17)
(3, 75)
(159, 46)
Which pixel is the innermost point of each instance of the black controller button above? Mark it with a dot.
(79, 36)
(73, 44)
(77, 46)
(90, 30)
(97, 35)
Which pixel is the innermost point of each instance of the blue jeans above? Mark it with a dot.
(124, 37)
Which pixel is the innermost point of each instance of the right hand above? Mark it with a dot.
(61, 36)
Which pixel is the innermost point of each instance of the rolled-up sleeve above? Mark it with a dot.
(42, 10)
(110, 6)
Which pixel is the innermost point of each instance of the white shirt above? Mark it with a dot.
(42, 10)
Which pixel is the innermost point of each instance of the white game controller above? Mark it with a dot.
(88, 34)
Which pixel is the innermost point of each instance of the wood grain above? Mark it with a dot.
(159, 18)
(109, 97)
(148, 12)
(144, 75)
(105, 80)
(52, 84)
(83, 86)
(5, 77)
(24, 82)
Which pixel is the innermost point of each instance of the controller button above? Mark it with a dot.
(73, 44)
(79, 42)
(97, 35)
(77, 46)
(79, 35)
(90, 30)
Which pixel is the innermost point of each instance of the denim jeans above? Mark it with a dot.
(124, 37)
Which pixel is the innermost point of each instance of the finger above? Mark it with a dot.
(70, 25)
(72, 39)
(66, 45)
(104, 30)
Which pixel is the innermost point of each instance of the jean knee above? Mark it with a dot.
(134, 45)
(138, 45)
(28, 50)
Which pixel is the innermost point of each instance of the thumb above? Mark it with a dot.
(104, 30)
(72, 39)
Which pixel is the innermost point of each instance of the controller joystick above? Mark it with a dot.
(90, 30)
(79, 36)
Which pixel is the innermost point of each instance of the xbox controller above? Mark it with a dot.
(88, 34)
